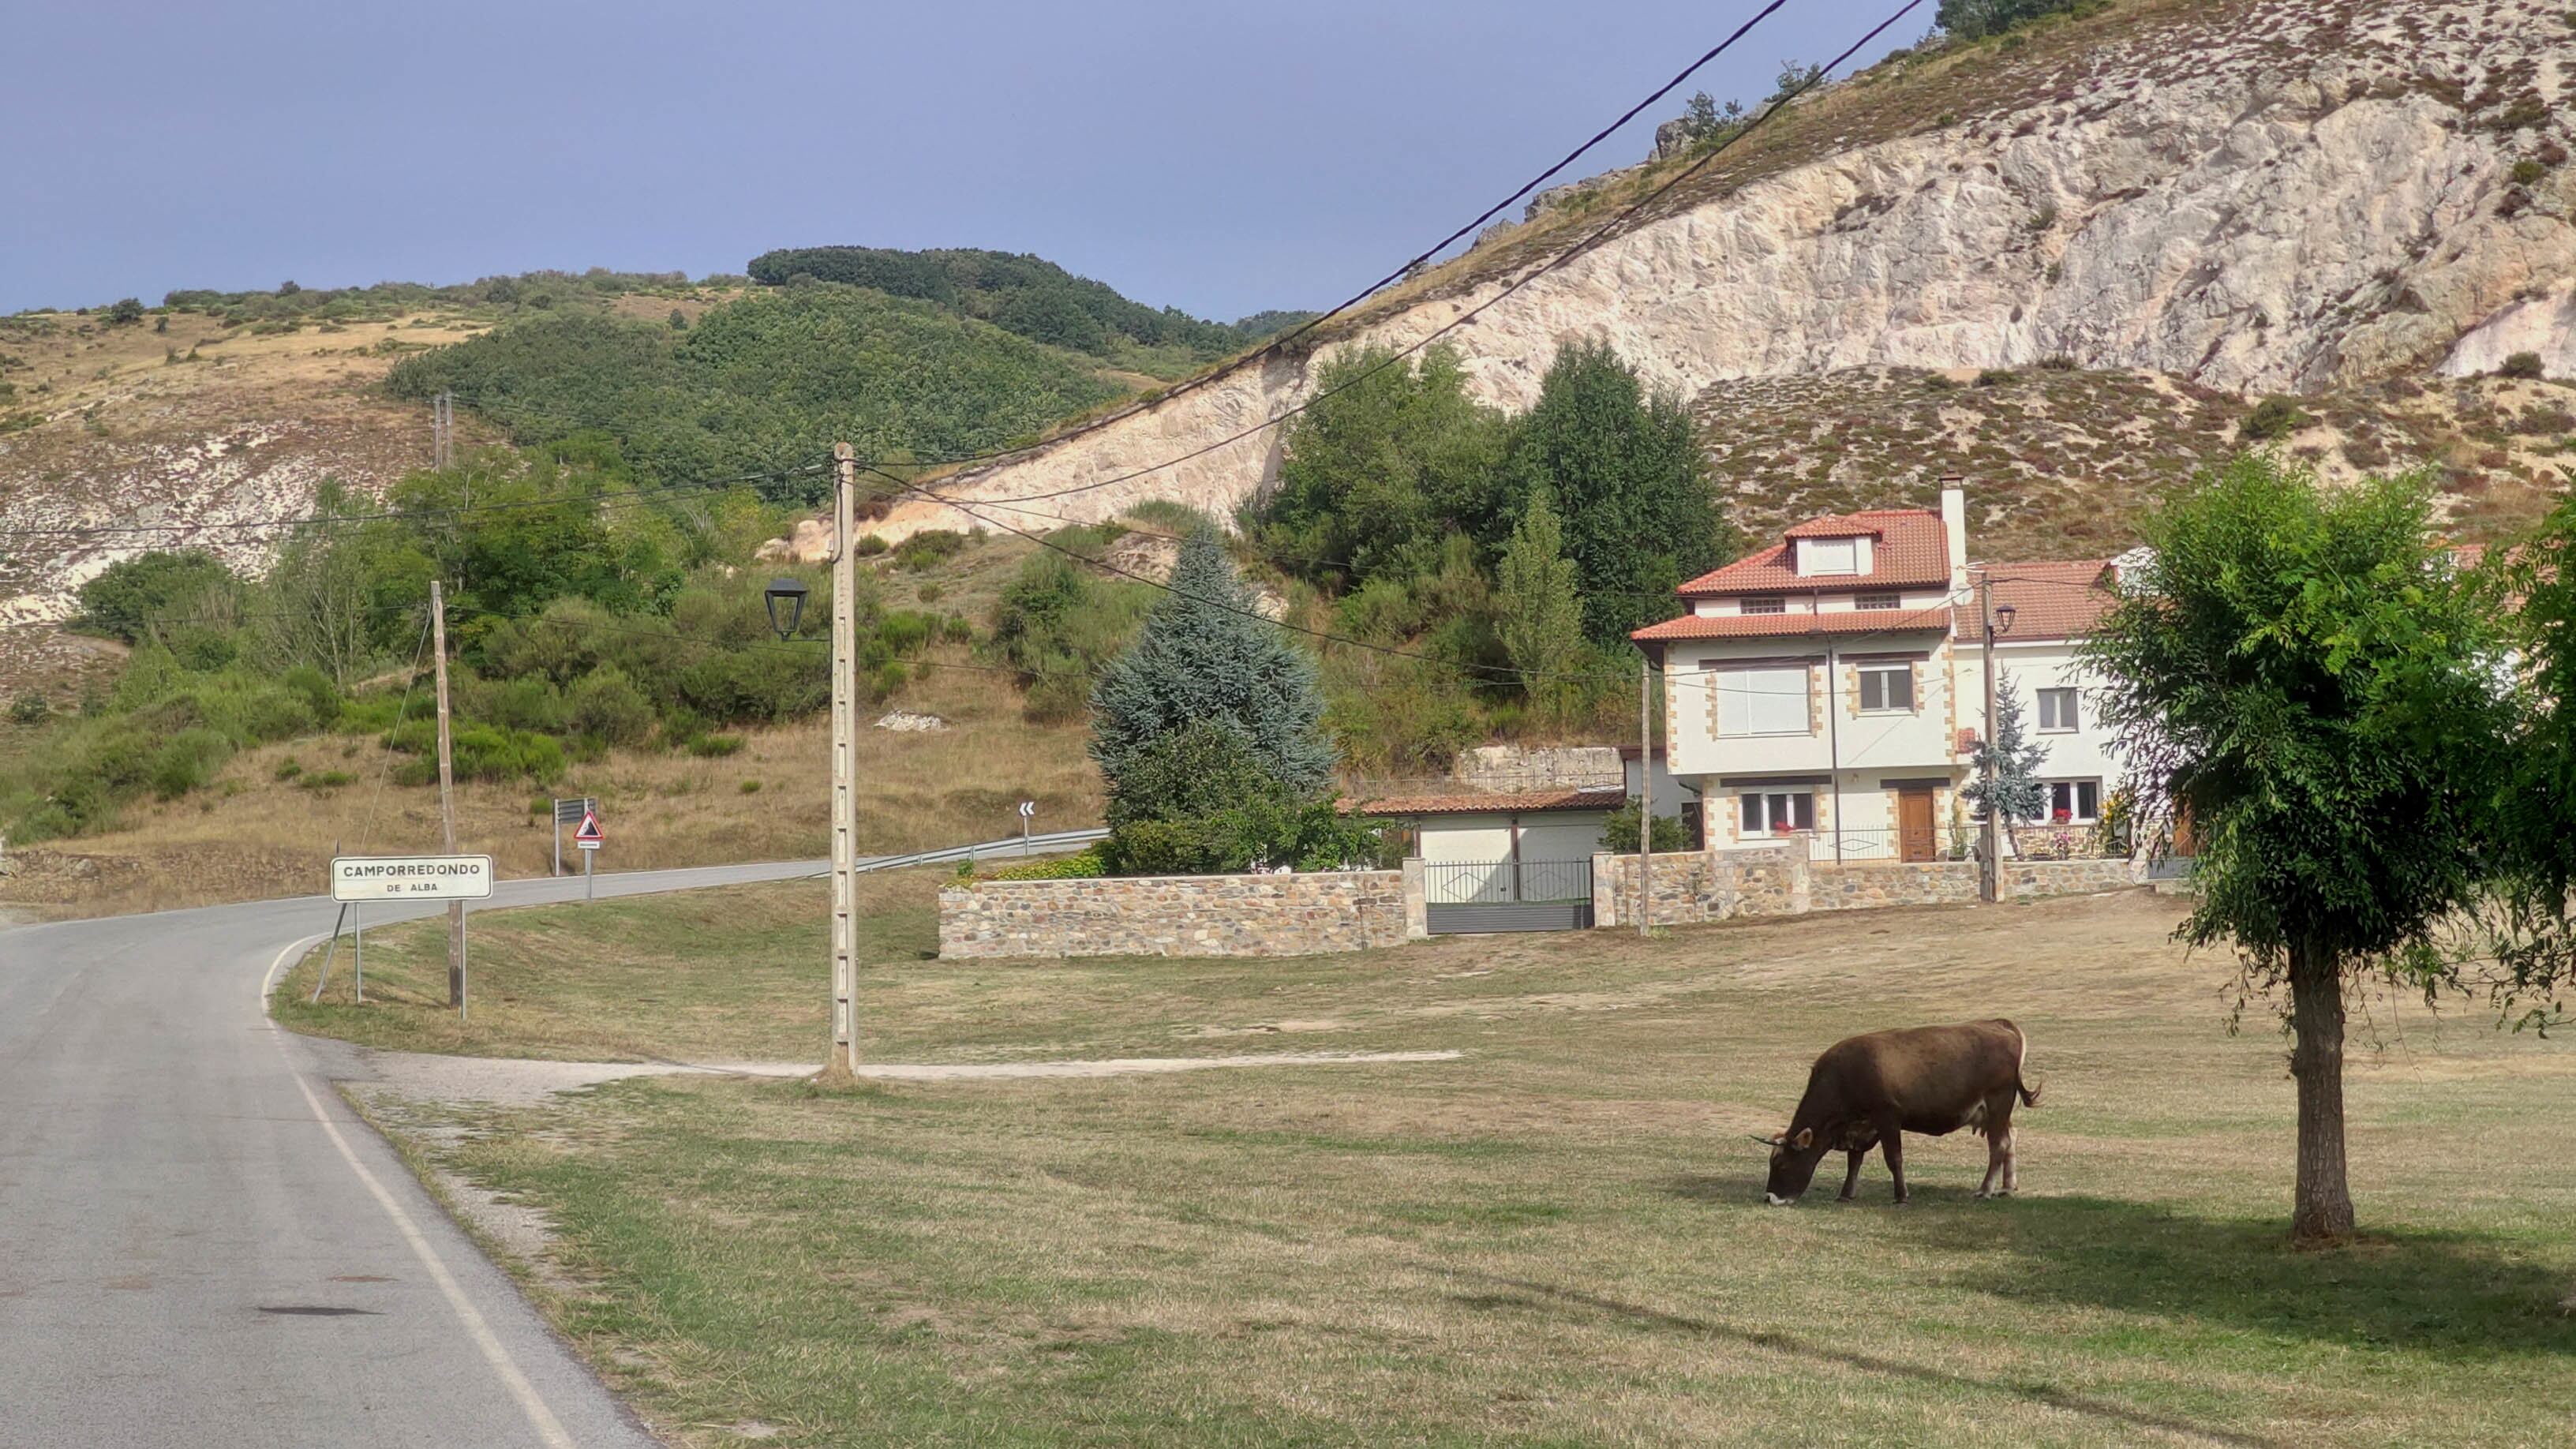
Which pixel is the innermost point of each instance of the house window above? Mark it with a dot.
(1829, 555)
(2073, 802)
(1762, 701)
(1778, 812)
(1886, 687)
(1878, 601)
(2057, 711)
(1766, 604)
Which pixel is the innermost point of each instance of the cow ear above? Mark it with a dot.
(1805, 1139)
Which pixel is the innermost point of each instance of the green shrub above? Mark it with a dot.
(929, 549)
(129, 595)
(868, 546)
(715, 747)
(1081, 865)
(188, 760)
(289, 768)
(751, 787)
(325, 780)
(1619, 832)
(322, 698)
(2527, 172)
(28, 709)
(1995, 377)
(2526, 365)
(606, 703)
(125, 311)
(2273, 419)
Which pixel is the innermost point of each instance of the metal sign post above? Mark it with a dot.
(588, 839)
(569, 812)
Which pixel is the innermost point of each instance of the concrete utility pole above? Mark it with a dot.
(1990, 866)
(447, 797)
(1645, 794)
(845, 763)
(442, 430)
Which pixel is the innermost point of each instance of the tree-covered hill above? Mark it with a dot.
(763, 382)
(1032, 297)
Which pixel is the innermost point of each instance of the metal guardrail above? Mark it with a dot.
(1009, 848)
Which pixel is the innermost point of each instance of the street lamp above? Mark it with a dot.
(2003, 616)
(790, 593)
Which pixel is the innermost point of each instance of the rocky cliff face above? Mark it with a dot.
(2247, 196)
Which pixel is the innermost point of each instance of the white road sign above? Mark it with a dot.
(588, 836)
(411, 877)
(1028, 808)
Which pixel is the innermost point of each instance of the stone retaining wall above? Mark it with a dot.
(1717, 885)
(1215, 915)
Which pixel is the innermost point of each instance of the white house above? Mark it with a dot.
(1830, 687)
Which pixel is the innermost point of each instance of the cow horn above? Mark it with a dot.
(1765, 1141)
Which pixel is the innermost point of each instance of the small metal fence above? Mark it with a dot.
(1505, 882)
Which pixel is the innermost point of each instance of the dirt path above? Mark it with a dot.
(513, 1081)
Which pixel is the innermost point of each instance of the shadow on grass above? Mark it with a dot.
(2452, 1294)
(1527, 1295)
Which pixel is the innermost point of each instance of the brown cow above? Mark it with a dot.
(1868, 1091)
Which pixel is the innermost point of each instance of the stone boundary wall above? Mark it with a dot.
(1523, 767)
(1208, 915)
(1717, 885)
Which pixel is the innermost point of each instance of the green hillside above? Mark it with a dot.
(1033, 298)
(764, 381)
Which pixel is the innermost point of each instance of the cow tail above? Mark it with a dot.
(2029, 1093)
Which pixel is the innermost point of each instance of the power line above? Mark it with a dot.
(1423, 258)
(1560, 259)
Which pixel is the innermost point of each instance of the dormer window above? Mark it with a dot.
(1828, 556)
(1766, 604)
(1878, 601)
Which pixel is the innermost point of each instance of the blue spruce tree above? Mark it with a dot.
(1205, 655)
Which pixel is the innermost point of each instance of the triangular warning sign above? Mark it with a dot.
(588, 834)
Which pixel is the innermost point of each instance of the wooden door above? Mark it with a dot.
(1914, 837)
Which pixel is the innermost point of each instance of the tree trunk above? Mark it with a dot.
(2322, 1211)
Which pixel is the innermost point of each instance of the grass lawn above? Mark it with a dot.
(1557, 1239)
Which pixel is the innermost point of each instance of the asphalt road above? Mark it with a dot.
(200, 1245)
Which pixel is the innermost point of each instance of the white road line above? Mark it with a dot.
(549, 1429)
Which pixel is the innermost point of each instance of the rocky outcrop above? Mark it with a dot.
(2249, 195)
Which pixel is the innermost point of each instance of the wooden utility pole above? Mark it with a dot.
(1990, 866)
(1645, 794)
(845, 765)
(447, 797)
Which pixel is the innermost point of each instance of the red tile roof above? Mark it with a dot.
(1912, 549)
(1760, 626)
(2053, 600)
(1604, 797)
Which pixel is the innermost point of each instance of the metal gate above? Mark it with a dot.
(1465, 898)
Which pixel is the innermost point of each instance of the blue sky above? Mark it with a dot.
(1220, 158)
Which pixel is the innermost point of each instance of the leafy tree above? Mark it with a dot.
(1199, 801)
(2018, 792)
(1705, 121)
(1640, 513)
(1390, 460)
(2532, 939)
(2307, 676)
(126, 312)
(1538, 611)
(130, 594)
(1057, 625)
(1205, 655)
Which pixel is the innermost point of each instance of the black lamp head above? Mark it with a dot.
(789, 592)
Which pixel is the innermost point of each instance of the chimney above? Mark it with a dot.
(1954, 528)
